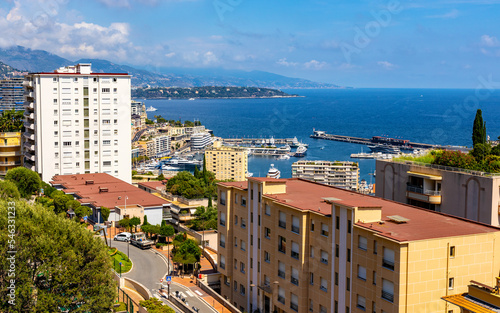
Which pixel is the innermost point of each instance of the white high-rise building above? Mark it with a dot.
(162, 145)
(78, 122)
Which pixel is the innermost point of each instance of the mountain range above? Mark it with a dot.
(25, 59)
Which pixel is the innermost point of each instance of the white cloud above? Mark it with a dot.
(489, 41)
(209, 58)
(284, 62)
(116, 3)
(315, 65)
(170, 55)
(386, 65)
(452, 14)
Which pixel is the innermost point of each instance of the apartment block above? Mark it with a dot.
(334, 173)
(470, 194)
(10, 151)
(292, 245)
(162, 145)
(77, 122)
(227, 162)
(12, 94)
(200, 141)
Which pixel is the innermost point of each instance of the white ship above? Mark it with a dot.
(301, 151)
(273, 172)
(151, 109)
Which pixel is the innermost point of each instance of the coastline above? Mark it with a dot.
(218, 98)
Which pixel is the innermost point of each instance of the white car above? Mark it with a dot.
(123, 237)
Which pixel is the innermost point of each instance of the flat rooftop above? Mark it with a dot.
(102, 189)
(423, 224)
(153, 184)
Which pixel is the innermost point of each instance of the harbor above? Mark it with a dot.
(381, 143)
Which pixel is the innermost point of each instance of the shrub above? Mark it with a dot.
(456, 159)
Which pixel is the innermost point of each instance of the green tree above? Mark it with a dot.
(59, 264)
(82, 211)
(11, 121)
(154, 230)
(47, 189)
(27, 181)
(145, 220)
(187, 252)
(481, 151)
(167, 231)
(61, 203)
(478, 129)
(125, 223)
(134, 222)
(153, 305)
(196, 172)
(105, 212)
(149, 122)
(8, 190)
(188, 124)
(160, 177)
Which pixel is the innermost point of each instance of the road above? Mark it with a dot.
(149, 267)
(138, 135)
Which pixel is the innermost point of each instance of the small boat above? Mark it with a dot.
(301, 151)
(322, 148)
(273, 172)
(284, 157)
(249, 174)
(384, 149)
(151, 109)
(191, 99)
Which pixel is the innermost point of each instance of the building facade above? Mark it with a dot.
(464, 193)
(162, 145)
(200, 141)
(78, 122)
(339, 174)
(292, 245)
(10, 151)
(227, 162)
(12, 94)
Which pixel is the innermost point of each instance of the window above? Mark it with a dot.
(349, 226)
(322, 309)
(324, 229)
(312, 225)
(337, 222)
(361, 304)
(222, 198)
(311, 305)
(243, 245)
(295, 276)
(235, 286)
(348, 283)
(311, 278)
(243, 223)
(374, 278)
(387, 290)
(235, 241)
(375, 247)
(106, 142)
(236, 220)
(281, 244)
(235, 264)
(267, 233)
(223, 264)
(337, 251)
(105, 90)
(336, 279)
(324, 257)
(223, 219)
(268, 210)
(106, 163)
(242, 290)
(282, 220)
(294, 302)
(67, 143)
(236, 198)
(281, 295)
(55, 112)
(222, 241)
(311, 254)
(348, 255)
(267, 257)
(54, 79)
(295, 250)
(242, 267)
(243, 201)
(324, 285)
(451, 282)
(295, 224)
(362, 243)
(106, 122)
(452, 251)
(388, 260)
(374, 307)
(281, 269)
(361, 272)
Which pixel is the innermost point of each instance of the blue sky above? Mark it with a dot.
(435, 44)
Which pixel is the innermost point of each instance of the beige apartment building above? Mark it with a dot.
(227, 162)
(292, 245)
(334, 173)
(470, 194)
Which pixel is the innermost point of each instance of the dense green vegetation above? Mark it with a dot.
(59, 265)
(28, 182)
(154, 305)
(203, 185)
(208, 92)
(185, 251)
(117, 257)
(11, 121)
(206, 218)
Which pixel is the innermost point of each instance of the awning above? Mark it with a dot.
(422, 175)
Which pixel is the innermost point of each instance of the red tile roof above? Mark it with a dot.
(153, 184)
(115, 195)
(237, 184)
(422, 224)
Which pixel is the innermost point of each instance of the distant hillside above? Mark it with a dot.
(208, 92)
(42, 61)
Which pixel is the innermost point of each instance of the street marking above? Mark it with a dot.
(198, 292)
(189, 294)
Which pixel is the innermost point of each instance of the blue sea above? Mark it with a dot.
(434, 116)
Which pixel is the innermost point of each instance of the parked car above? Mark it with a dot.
(123, 237)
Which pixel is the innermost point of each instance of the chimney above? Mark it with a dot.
(89, 182)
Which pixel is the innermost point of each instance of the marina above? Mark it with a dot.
(292, 142)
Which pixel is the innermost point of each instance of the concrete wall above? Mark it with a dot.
(217, 297)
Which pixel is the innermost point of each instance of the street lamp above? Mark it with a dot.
(120, 269)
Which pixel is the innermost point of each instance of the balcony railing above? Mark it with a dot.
(294, 306)
(282, 224)
(296, 229)
(222, 244)
(295, 255)
(423, 191)
(223, 266)
(323, 260)
(281, 274)
(294, 281)
(281, 299)
(388, 264)
(388, 296)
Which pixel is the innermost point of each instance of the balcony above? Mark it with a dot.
(388, 296)
(30, 157)
(29, 125)
(29, 146)
(30, 105)
(28, 83)
(9, 145)
(418, 193)
(29, 136)
(11, 153)
(10, 163)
